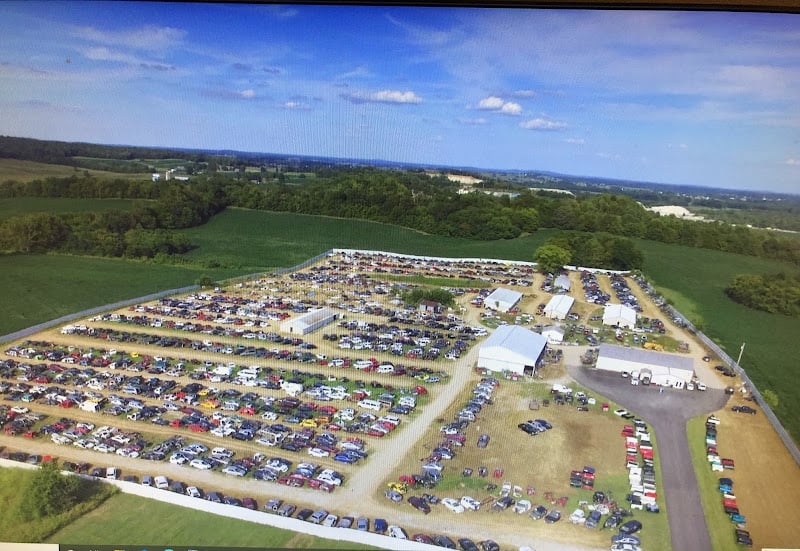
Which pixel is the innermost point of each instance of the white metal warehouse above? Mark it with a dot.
(619, 315)
(666, 369)
(554, 334)
(511, 348)
(502, 299)
(558, 307)
(310, 321)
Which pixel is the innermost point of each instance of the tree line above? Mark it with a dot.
(773, 293)
(407, 198)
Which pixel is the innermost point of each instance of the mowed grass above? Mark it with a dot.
(697, 279)
(128, 519)
(25, 171)
(38, 288)
(28, 205)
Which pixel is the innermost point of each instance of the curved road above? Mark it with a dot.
(667, 414)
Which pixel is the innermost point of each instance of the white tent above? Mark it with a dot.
(511, 348)
(554, 334)
(619, 315)
(558, 307)
(310, 321)
(502, 299)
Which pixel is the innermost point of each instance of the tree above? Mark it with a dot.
(551, 258)
(770, 397)
(49, 492)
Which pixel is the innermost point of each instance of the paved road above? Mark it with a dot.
(667, 414)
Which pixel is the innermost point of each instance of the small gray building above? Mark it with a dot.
(310, 321)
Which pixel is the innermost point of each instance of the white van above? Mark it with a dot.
(397, 532)
(112, 473)
(161, 482)
(635, 378)
(369, 404)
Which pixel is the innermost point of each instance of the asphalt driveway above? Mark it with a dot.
(666, 413)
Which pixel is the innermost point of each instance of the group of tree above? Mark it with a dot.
(598, 250)
(773, 293)
(434, 294)
(142, 231)
(403, 197)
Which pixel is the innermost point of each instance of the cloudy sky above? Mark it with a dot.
(686, 98)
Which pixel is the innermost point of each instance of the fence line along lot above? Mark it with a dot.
(190, 350)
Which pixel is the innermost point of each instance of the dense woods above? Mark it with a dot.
(773, 293)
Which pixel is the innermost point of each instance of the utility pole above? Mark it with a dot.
(739, 359)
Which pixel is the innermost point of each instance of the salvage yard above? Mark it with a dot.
(382, 393)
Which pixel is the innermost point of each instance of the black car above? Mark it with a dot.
(552, 516)
(483, 440)
(419, 504)
(490, 545)
(630, 527)
(744, 409)
(444, 541)
(467, 544)
(304, 514)
(538, 512)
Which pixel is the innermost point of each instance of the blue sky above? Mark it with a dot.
(685, 98)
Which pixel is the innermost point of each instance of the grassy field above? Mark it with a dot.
(127, 519)
(695, 279)
(25, 171)
(38, 288)
(27, 205)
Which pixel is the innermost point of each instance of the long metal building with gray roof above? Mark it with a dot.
(665, 369)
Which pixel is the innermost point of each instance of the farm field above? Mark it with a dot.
(38, 288)
(25, 171)
(28, 205)
(130, 519)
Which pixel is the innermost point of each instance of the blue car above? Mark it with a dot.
(344, 458)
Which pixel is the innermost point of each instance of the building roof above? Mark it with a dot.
(518, 340)
(562, 281)
(648, 357)
(613, 311)
(552, 329)
(503, 295)
(559, 304)
(313, 316)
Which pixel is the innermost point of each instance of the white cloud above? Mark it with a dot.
(524, 94)
(249, 93)
(499, 105)
(575, 141)
(793, 162)
(296, 105)
(149, 37)
(543, 124)
(385, 96)
(101, 53)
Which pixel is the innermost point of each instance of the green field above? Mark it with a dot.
(27, 205)
(25, 171)
(38, 288)
(696, 279)
(127, 519)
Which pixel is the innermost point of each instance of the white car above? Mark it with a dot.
(522, 506)
(620, 412)
(470, 503)
(178, 459)
(234, 470)
(578, 516)
(199, 463)
(318, 452)
(453, 504)
(192, 491)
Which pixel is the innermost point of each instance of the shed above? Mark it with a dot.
(512, 348)
(558, 307)
(310, 321)
(554, 334)
(619, 315)
(562, 282)
(666, 368)
(502, 299)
